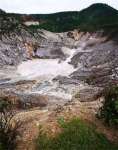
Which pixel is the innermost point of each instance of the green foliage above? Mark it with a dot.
(95, 17)
(75, 135)
(4, 105)
(61, 121)
(1, 148)
(77, 95)
(109, 111)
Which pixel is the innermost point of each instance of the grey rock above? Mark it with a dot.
(66, 80)
(89, 94)
(24, 100)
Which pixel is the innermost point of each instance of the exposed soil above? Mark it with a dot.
(49, 121)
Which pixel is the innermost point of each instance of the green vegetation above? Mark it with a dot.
(95, 17)
(77, 95)
(75, 135)
(1, 148)
(109, 111)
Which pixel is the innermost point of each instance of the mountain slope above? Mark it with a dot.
(2, 12)
(98, 16)
(95, 17)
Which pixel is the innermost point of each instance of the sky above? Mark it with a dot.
(50, 6)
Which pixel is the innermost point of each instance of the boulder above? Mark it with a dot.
(24, 100)
(89, 94)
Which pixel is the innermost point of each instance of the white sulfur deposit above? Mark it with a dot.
(47, 68)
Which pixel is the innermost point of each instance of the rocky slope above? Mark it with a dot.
(19, 43)
(98, 58)
(94, 62)
(90, 56)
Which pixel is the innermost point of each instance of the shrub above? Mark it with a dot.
(109, 111)
(75, 135)
(77, 95)
(1, 147)
(8, 130)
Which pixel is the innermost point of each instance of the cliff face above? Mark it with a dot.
(98, 58)
(19, 43)
(12, 37)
